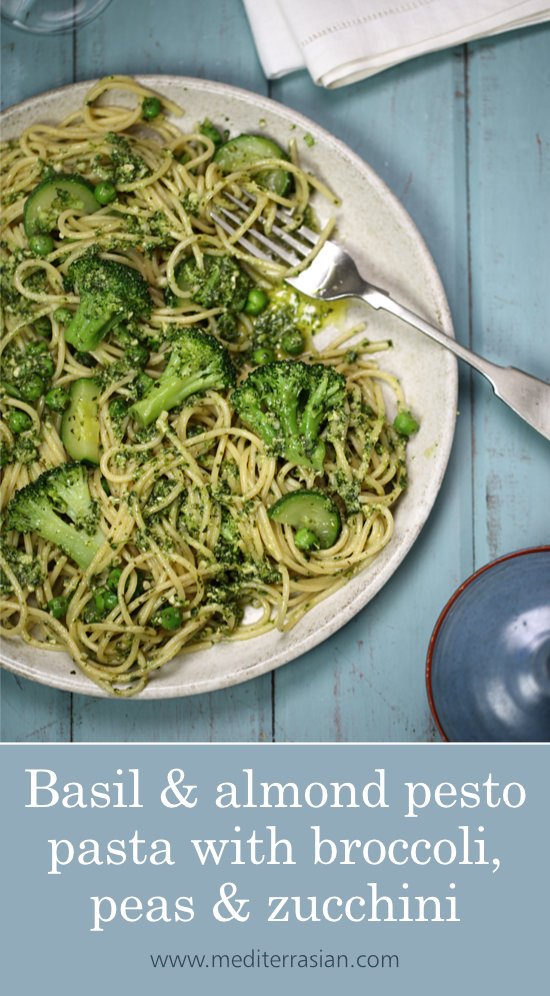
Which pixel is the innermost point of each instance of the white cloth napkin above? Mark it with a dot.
(342, 41)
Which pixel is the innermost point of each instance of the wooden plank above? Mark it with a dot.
(32, 64)
(29, 711)
(242, 713)
(208, 40)
(510, 220)
(367, 682)
(205, 41)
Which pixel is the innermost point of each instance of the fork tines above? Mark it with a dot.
(279, 245)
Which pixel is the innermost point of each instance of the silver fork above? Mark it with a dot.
(332, 274)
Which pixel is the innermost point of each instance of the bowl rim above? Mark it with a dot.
(443, 615)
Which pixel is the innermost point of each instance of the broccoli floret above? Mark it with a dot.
(133, 333)
(277, 329)
(27, 373)
(236, 582)
(25, 449)
(67, 488)
(220, 284)
(44, 507)
(110, 293)
(134, 359)
(124, 165)
(289, 404)
(27, 569)
(198, 362)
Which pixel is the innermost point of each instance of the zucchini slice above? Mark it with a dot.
(80, 422)
(309, 512)
(245, 150)
(53, 195)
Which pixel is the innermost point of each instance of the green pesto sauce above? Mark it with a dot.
(309, 314)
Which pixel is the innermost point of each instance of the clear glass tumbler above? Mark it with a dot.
(50, 17)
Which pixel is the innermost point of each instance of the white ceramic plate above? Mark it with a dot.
(389, 249)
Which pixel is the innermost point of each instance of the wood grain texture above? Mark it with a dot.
(509, 167)
(462, 137)
(32, 64)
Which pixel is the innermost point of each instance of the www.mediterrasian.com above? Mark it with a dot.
(257, 958)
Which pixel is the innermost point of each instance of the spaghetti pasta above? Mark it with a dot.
(192, 555)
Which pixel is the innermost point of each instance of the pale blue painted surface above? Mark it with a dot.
(463, 139)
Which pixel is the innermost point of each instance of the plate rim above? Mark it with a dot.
(155, 691)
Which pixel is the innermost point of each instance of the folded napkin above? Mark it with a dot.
(342, 41)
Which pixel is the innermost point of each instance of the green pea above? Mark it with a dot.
(18, 421)
(105, 192)
(57, 607)
(57, 399)
(305, 539)
(41, 245)
(262, 355)
(137, 355)
(43, 327)
(256, 302)
(405, 424)
(63, 315)
(114, 578)
(293, 342)
(150, 108)
(170, 617)
(104, 601)
(32, 388)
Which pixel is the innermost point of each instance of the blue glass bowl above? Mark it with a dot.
(488, 664)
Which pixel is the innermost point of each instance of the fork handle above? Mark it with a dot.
(527, 396)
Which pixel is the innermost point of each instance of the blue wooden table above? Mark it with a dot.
(463, 138)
